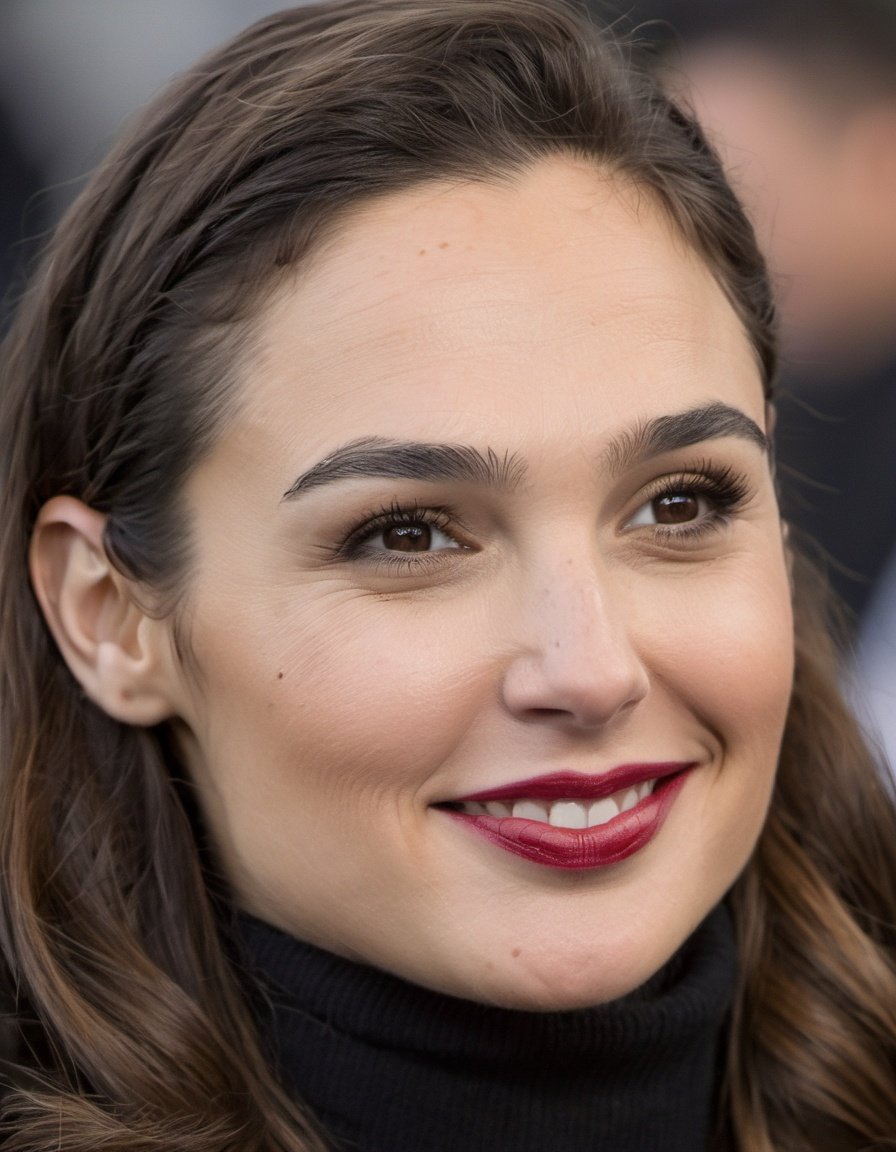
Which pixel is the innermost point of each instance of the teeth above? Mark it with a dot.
(568, 814)
(602, 811)
(530, 810)
(565, 813)
(629, 800)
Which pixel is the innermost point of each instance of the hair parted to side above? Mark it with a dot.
(133, 1027)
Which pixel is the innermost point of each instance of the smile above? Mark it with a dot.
(571, 821)
(564, 813)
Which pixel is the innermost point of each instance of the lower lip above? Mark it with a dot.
(580, 848)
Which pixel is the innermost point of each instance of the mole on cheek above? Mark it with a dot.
(516, 952)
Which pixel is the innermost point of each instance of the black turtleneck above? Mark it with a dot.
(388, 1066)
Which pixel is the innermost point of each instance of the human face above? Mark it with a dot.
(384, 632)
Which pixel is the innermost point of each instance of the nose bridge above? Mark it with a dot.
(581, 611)
(577, 658)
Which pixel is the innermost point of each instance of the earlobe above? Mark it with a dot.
(118, 653)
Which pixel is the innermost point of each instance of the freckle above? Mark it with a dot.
(422, 252)
(444, 244)
(556, 643)
(516, 952)
(279, 675)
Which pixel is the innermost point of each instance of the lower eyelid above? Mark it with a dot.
(390, 563)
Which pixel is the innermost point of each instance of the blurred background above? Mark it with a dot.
(71, 71)
(798, 96)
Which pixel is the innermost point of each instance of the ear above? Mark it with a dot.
(120, 655)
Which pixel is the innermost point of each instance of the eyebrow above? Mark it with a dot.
(680, 430)
(411, 460)
(376, 456)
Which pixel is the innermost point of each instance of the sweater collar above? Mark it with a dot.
(388, 1065)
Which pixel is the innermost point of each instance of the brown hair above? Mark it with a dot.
(134, 1030)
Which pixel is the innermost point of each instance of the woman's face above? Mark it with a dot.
(491, 612)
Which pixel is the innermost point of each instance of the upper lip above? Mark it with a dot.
(579, 785)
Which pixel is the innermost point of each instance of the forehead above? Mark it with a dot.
(452, 310)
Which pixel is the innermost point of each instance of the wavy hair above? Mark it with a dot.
(131, 1027)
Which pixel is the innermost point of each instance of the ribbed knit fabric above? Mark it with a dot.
(388, 1066)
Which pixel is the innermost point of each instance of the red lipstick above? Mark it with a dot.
(606, 843)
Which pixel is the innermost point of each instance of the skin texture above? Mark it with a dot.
(340, 696)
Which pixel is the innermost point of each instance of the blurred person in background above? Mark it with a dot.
(799, 97)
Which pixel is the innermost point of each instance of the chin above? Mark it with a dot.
(552, 983)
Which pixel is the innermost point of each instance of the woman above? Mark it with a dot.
(405, 740)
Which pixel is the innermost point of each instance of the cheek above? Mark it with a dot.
(723, 656)
(343, 688)
(727, 647)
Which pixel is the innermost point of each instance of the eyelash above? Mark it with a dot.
(723, 487)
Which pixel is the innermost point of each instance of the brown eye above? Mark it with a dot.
(676, 508)
(672, 508)
(407, 538)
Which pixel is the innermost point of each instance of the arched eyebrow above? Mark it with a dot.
(376, 456)
(679, 430)
(411, 460)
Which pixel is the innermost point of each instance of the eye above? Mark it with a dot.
(686, 507)
(413, 536)
(402, 533)
(674, 507)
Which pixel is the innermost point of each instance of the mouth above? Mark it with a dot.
(574, 821)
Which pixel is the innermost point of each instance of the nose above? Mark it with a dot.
(576, 666)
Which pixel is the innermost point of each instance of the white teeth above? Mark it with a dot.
(565, 813)
(530, 810)
(602, 812)
(629, 800)
(568, 814)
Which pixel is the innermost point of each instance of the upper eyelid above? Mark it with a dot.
(703, 485)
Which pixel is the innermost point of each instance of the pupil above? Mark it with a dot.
(676, 509)
(407, 538)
